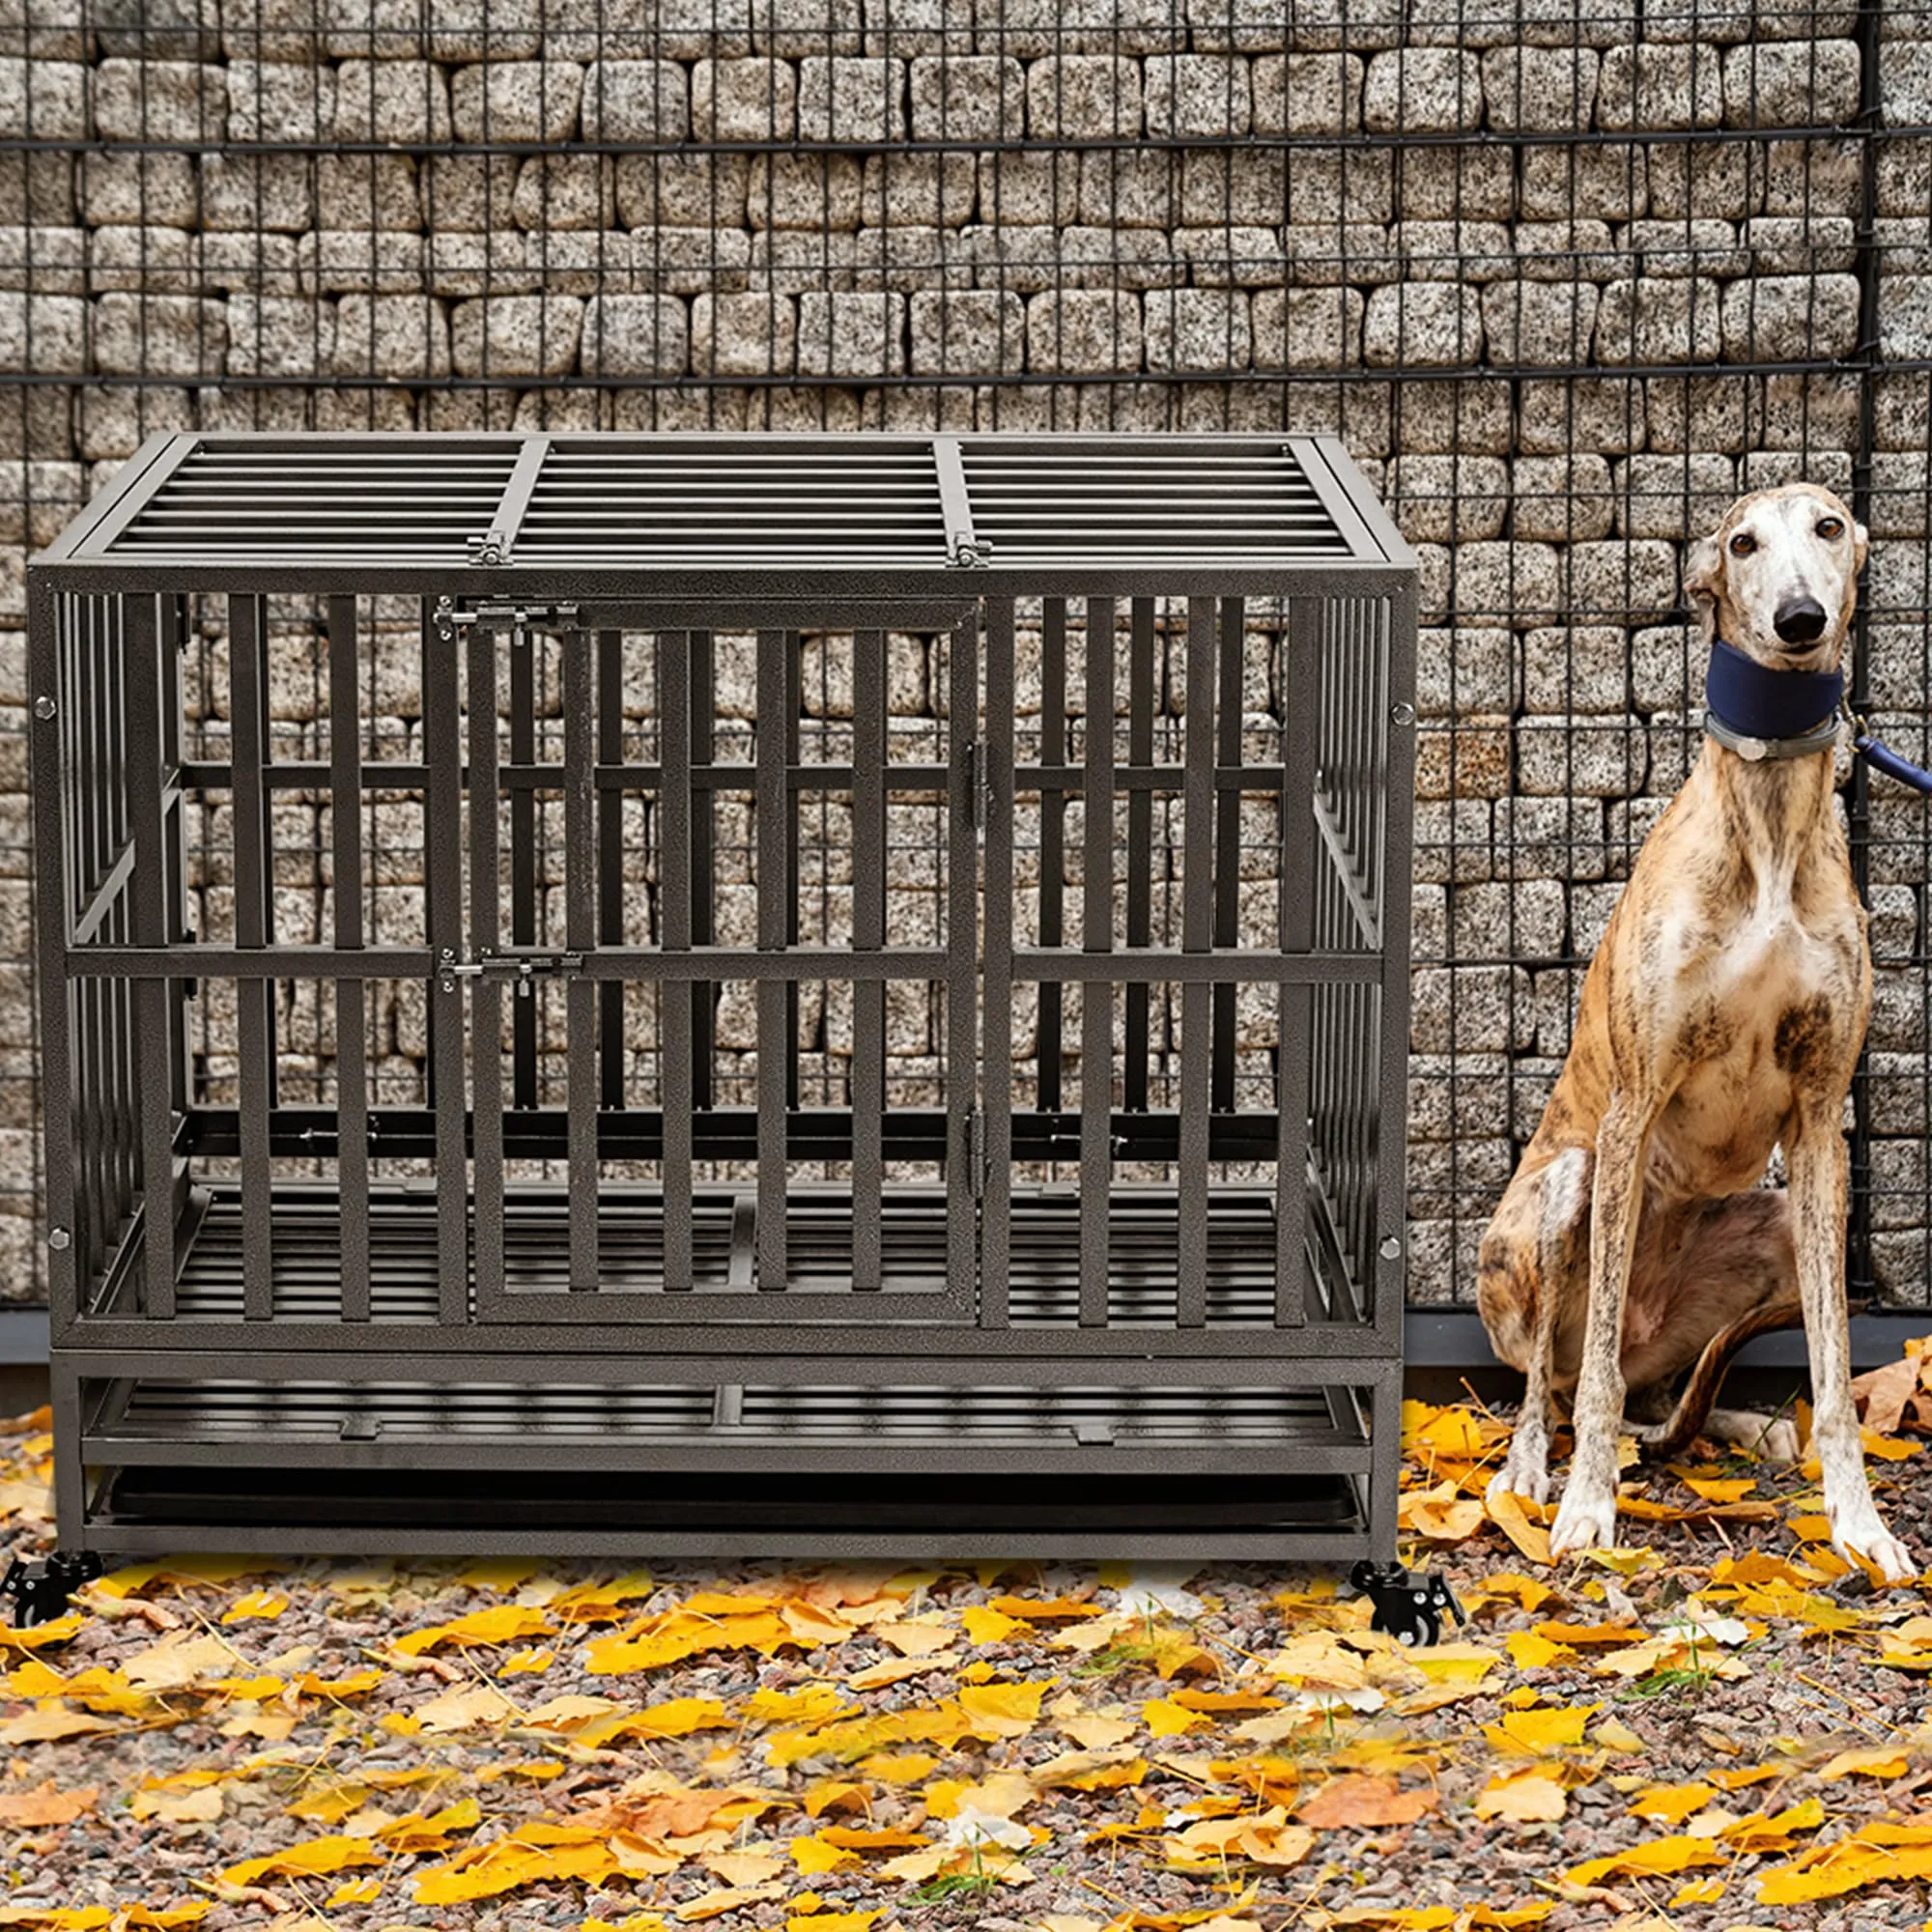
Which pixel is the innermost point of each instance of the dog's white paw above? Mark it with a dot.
(1860, 1534)
(1521, 1476)
(1585, 1521)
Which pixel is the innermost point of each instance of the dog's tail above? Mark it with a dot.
(1693, 1407)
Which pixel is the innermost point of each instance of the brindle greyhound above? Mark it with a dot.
(1722, 1014)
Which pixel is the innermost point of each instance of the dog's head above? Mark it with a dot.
(1779, 579)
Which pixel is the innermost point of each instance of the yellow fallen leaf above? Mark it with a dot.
(42, 1636)
(1167, 1719)
(915, 1639)
(356, 1892)
(1657, 1854)
(1530, 1538)
(814, 1855)
(715, 1904)
(1095, 1731)
(47, 1723)
(897, 1670)
(987, 1625)
(1535, 1733)
(1002, 1710)
(1881, 1761)
(1671, 1804)
(462, 1710)
(1528, 1797)
(1530, 1652)
(1362, 1798)
(46, 1806)
(255, 1604)
(500, 1623)
(1454, 1663)
(182, 1657)
(834, 1922)
(307, 1859)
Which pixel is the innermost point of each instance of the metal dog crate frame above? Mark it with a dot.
(690, 1245)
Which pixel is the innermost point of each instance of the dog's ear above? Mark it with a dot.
(1704, 574)
(1860, 543)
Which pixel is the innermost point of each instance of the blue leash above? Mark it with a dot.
(1887, 760)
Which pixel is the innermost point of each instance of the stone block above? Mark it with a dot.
(978, 97)
(1083, 97)
(1122, 189)
(1651, 87)
(689, 261)
(517, 335)
(1607, 181)
(1674, 497)
(159, 335)
(1471, 1008)
(1252, 187)
(47, 261)
(45, 100)
(38, 500)
(1423, 90)
(403, 102)
(1307, 94)
(1540, 323)
(1084, 333)
(1789, 317)
(1902, 494)
(982, 330)
(1803, 83)
(746, 335)
(247, 195)
(904, 28)
(39, 186)
(1497, 920)
(1225, 257)
(1452, 500)
(1576, 668)
(1029, 29)
(635, 335)
(112, 424)
(367, 191)
(391, 335)
(634, 100)
(153, 100)
(1905, 82)
(1553, 839)
(1717, 181)
(744, 100)
(852, 334)
(1564, 757)
(800, 29)
(1659, 319)
(565, 191)
(898, 189)
(1471, 760)
(1028, 190)
(814, 191)
(1790, 244)
(47, 30)
(1560, 499)
(1456, 417)
(1515, 584)
(910, 258)
(1626, 581)
(1683, 247)
(279, 100)
(517, 101)
(125, 185)
(1463, 672)
(1204, 330)
(851, 100)
(1196, 95)
(43, 335)
(374, 261)
(1450, 251)
(1540, 90)
(1432, 324)
(1455, 183)
(1452, 836)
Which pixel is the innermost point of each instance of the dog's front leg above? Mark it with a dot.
(1819, 1180)
(1587, 1519)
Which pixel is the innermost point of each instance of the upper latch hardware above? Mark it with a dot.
(521, 969)
(489, 615)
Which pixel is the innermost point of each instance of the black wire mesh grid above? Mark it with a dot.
(1564, 280)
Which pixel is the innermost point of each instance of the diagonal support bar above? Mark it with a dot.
(498, 545)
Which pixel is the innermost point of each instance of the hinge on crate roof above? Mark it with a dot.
(493, 614)
(521, 969)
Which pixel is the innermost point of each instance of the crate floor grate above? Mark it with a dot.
(828, 994)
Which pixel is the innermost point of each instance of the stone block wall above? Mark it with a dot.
(1565, 279)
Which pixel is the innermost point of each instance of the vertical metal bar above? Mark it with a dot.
(486, 1010)
(352, 1039)
(1140, 849)
(1097, 996)
(524, 858)
(962, 961)
(1302, 734)
(443, 850)
(675, 898)
(774, 802)
(580, 916)
(47, 619)
(610, 862)
(1228, 847)
(254, 1046)
(997, 950)
(1052, 837)
(703, 858)
(1384, 1460)
(1397, 617)
(1197, 911)
(794, 706)
(868, 935)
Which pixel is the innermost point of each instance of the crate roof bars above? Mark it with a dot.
(611, 503)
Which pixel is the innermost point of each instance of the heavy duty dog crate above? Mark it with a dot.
(726, 994)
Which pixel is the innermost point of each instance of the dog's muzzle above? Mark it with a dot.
(1799, 620)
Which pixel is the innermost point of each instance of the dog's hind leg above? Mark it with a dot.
(1539, 1262)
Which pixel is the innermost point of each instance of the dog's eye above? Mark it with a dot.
(1830, 529)
(1742, 544)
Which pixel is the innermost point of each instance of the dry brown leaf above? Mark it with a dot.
(1882, 1393)
(46, 1806)
(463, 1710)
(715, 1904)
(915, 1637)
(178, 1661)
(1362, 1799)
(47, 1722)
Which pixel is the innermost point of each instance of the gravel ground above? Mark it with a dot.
(1026, 1748)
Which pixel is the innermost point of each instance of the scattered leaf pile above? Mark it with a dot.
(216, 1742)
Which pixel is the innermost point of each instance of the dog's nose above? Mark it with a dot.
(1799, 620)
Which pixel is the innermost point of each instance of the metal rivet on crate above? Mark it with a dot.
(45, 707)
(1391, 1248)
(58, 1238)
(1403, 714)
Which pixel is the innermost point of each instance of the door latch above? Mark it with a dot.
(521, 969)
